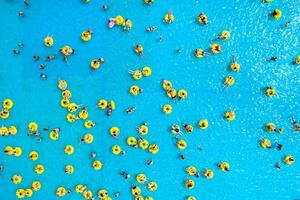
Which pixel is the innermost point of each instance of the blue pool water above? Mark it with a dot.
(255, 38)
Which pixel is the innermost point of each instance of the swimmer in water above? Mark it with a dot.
(150, 162)
(160, 38)
(130, 110)
(277, 166)
(117, 194)
(42, 66)
(26, 2)
(176, 129)
(93, 155)
(151, 28)
(48, 58)
(104, 7)
(199, 148)
(44, 76)
(182, 157)
(287, 24)
(197, 175)
(36, 57)
(21, 14)
(109, 112)
(273, 58)
(296, 125)
(279, 147)
(16, 52)
(123, 153)
(125, 175)
(1, 167)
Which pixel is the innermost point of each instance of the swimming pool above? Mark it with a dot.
(255, 37)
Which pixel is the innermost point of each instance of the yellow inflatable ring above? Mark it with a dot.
(202, 18)
(215, 48)
(229, 81)
(265, 143)
(16, 179)
(97, 165)
(189, 184)
(73, 107)
(4, 131)
(102, 103)
(89, 124)
(32, 126)
(48, 41)
(181, 144)
(199, 53)
(153, 148)
(191, 170)
(8, 150)
(152, 186)
(28, 192)
(17, 151)
(167, 109)
(36, 185)
(4, 114)
(83, 114)
(167, 85)
(134, 90)
(131, 141)
(102, 194)
(95, 64)
(119, 20)
(143, 144)
(208, 174)
(69, 169)
(277, 14)
(297, 60)
(87, 194)
(270, 91)
(143, 129)
(235, 67)
(12, 130)
(116, 150)
(67, 50)
(20, 193)
(114, 131)
(62, 84)
(61, 191)
(86, 35)
(80, 188)
(66, 94)
(53, 135)
(230, 115)
(169, 18)
(70, 117)
(225, 35)
(7, 104)
(146, 71)
(182, 94)
(171, 93)
(289, 160)
(39, 169)
(188, 128)
(112, 105)
(224, 166)
(69, 149)
(203, 124)
(135, 190)
(141, 178)
(33, 155)
(65, 103)
(137, 75)
(270, 127)
(88, 138)
(139, 49)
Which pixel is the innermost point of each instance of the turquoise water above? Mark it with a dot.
(255, 38)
